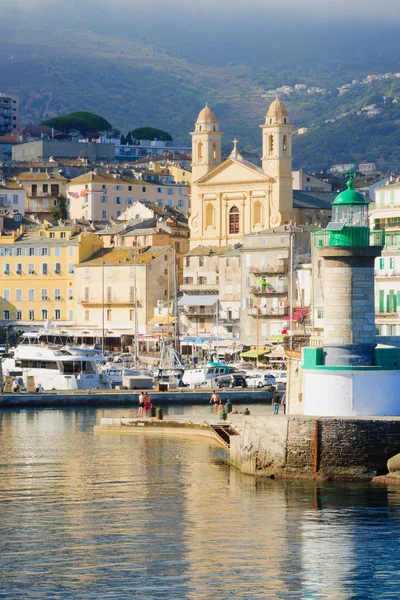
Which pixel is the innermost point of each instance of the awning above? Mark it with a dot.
(253, 353)
(162, 319)
(296, 315)
(193, 340)
(198, 300)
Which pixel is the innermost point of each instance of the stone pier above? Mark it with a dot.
(307, 447)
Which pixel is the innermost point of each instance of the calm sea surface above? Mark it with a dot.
(119, 516)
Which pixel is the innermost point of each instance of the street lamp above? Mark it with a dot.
(257, 335)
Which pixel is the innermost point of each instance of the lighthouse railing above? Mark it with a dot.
(348, 236)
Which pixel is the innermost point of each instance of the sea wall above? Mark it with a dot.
(309, 447)
(116, 397)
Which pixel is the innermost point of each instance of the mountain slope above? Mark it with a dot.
(135, 70)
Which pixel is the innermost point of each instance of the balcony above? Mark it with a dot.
(280, 269)
(204, 288)
(108, 303)
(198, 311)
(264, 290)
(386, 314)
(232, 322)
(392, 273)
(268, 312)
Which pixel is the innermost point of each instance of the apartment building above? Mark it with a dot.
(6, 144)
(199, 305)
(384, 215)
(97, 196)
(307, 182)
(42, 191)
(266, 282)
(9, 113)
(37, 273)
(12, 197)
(112, 282)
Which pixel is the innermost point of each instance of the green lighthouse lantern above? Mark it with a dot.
(349, 225)
(350, 207)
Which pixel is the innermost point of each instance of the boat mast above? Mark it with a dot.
(102, 307)
(291, 290)
(177, 343)
(136, 315)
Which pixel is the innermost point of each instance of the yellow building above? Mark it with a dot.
(234, 198)
(42, 191)
(37, 273)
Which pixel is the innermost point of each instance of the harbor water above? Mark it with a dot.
(103, 516)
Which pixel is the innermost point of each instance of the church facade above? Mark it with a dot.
(234, 198)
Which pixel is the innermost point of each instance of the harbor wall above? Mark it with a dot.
(309, 447)
(115, 398)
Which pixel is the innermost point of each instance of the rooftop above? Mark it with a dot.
(306, 199)
(209, 251)
(103, 177)
(122, 256)
(29, 176)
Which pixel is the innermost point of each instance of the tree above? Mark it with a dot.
(83, 122)
(129, 139)
(59, 212)
(151, 133)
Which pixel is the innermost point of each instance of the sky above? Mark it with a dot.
(342, 9)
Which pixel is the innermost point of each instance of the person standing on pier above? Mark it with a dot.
(276, 402)
(141, 405)
(215, 401)
(147, 404)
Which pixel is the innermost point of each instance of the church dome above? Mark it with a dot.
(207, 115)
(277, 110)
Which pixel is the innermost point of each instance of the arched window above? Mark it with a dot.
(270, 144)
(284, 144)
(257, 212)
(200, 151)
(214, 151)
(199, 127)
(234, 220)
(284, 120)
(209, 215)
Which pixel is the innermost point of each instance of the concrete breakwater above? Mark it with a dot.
(299, 447)
(111, 398)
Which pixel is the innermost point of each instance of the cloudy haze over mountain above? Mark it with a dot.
(311, 8)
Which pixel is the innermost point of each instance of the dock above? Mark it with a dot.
(189, 425)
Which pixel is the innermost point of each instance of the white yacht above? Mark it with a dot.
(50, 357)
(206, 374)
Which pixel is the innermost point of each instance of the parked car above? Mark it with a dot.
(280, 376)
(260, 380)
(231, 381)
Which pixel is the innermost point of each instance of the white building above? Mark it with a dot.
(385, 215)
(12, 197)
(307, 182)
(100, 195)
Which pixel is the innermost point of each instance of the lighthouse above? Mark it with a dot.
(350, 375)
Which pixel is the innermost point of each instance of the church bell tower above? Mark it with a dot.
(206, 144)
(277, 154)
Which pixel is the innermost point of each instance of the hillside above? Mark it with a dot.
(143, 71)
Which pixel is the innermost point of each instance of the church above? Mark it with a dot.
(235, 198)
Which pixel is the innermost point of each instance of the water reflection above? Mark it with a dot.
(120, 516)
